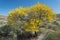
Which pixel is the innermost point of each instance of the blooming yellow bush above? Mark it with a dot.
(30, 19)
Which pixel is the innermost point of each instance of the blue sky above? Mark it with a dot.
(8, 5)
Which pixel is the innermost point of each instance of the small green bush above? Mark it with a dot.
(52, 35)
(6, 33)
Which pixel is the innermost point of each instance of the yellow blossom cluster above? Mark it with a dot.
(32, 25)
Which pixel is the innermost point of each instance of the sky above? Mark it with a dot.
(8, 5)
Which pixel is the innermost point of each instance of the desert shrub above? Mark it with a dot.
(30, 19)
(5, 29)
(27, 21)
(7, 33)
(52, 35)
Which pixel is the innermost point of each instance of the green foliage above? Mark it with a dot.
(7, 33)
(52, 35)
